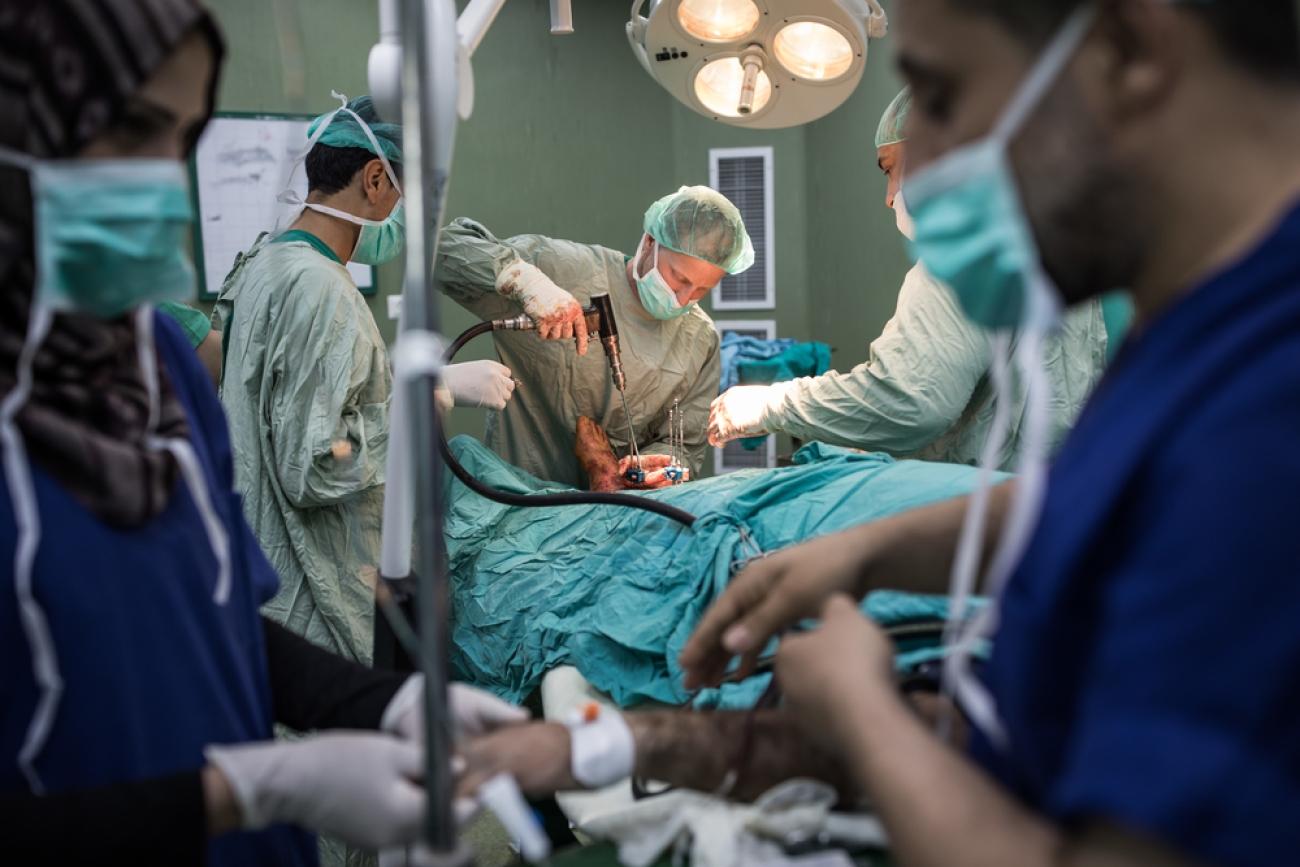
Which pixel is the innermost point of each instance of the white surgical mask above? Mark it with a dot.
(902, 218)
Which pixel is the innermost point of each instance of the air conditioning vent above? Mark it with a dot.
(744, 176)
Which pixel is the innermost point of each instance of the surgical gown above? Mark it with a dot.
(665, 361)
(306, 387)
(925, 391)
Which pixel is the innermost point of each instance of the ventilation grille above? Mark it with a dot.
(744, 175)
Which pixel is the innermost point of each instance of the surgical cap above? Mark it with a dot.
(345, 132)
(701, 223)
(890, 130)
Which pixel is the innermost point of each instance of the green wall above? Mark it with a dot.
(570, 137)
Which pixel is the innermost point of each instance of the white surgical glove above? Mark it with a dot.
(357, 787)
(479, 383)
(473, 711)
(738, 412)
(557, 313)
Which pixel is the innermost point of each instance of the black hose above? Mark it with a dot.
(465, 337)
(576, 498)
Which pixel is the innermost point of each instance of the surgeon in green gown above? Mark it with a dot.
(925, 390)
(307, 383)
(692, 239)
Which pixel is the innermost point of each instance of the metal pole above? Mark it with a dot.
(427, 29)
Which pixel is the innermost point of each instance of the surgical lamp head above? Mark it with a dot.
(765, 64)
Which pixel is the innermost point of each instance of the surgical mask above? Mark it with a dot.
(379, 241)
(972, 232)
(109, 233)
(658, 298)
(903, 218)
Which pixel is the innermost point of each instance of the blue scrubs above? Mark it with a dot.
(153, 669)
(1148, 661)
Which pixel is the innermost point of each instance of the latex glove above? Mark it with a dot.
(558, 314)
(479, 383)
(357, 787)
(738, 413)
(473, 711)
(653, 466)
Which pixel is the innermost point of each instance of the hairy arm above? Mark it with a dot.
(682, 748)
(698, 751)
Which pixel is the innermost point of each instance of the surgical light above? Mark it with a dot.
(813, 50)
(721, 86)
(718, 20)
(765, 64)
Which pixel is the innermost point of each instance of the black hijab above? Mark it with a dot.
(67, 69)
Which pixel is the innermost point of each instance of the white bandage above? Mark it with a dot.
(603, 750)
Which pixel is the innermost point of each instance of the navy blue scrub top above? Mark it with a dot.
(1147, 665)
(153, 669)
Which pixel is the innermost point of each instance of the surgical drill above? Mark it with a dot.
(600, 321)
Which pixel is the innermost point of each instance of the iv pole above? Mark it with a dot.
(420, 71)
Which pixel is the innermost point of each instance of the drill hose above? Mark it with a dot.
(574, 498)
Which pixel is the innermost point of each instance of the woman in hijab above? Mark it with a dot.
(138, 684)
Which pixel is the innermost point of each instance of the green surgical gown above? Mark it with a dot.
(925, 390)
(306, 387)
(193, 322)
(665, 361)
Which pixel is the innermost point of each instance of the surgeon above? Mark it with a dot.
(925, 390)
(1139, 705)
(138, 683)
(692, 239)
(307, 383)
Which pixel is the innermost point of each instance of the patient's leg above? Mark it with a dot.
(596, 457)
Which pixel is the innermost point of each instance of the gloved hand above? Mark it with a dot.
(738, 412)
(557, 313)
(479, 383)
(473, 712)
(358, 787)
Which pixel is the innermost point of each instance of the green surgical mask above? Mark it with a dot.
(380, 241)
(972, 231)
(109, 233)
(657, 297)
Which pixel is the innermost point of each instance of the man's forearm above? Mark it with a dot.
(939, 809)
(914, 551)
(698, 750)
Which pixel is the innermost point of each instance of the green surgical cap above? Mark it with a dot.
(701, 223)
(890, 130)
(345, 132)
